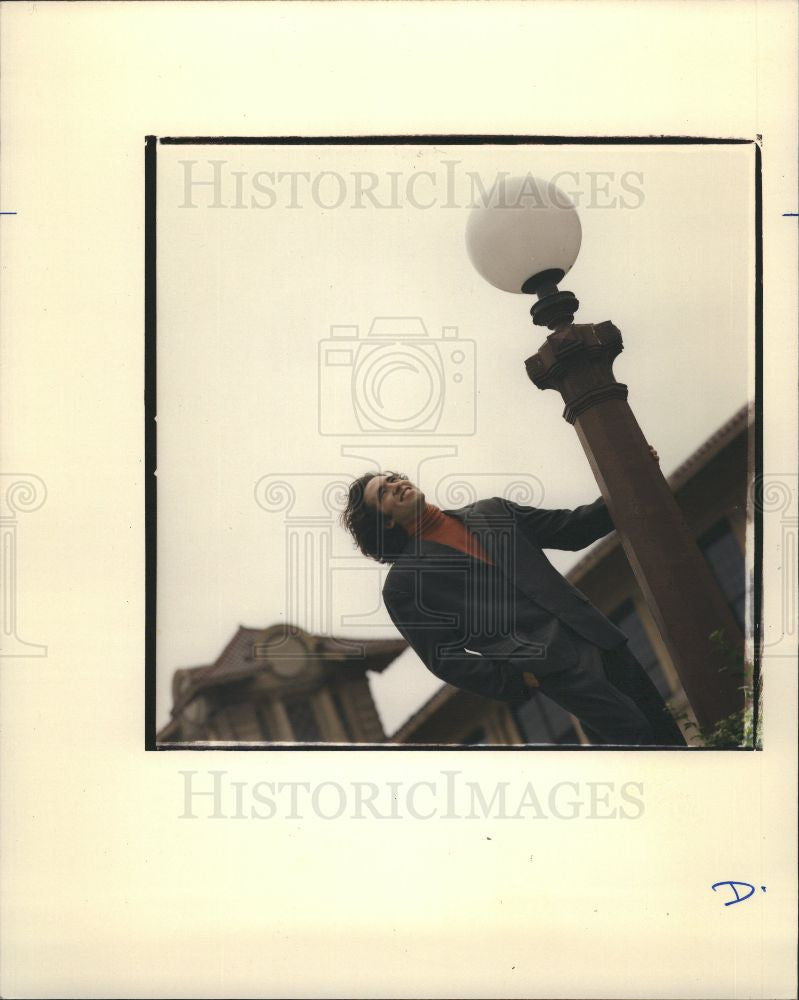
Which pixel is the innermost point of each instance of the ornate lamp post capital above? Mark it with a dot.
(577, 361)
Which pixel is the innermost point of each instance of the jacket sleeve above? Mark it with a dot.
(564, 529)
(445, 657)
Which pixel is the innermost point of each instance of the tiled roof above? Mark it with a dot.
(711, 447)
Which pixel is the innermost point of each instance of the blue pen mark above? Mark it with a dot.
(790, 215)
(738, 897)
(8, 213)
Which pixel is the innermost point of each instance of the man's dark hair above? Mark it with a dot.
(367, 525)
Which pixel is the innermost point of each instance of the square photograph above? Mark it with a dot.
(452, 441)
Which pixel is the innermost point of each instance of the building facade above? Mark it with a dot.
(281, 685)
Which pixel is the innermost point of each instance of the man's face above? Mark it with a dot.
(398, 499)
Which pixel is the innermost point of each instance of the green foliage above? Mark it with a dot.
(737, 729)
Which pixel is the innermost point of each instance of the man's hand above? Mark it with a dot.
(654, 454)
(530, 679)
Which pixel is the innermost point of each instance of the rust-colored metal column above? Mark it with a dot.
(685, 600)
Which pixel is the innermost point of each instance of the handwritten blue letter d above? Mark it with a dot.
(732, 885)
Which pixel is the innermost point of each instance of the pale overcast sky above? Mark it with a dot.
(289, 242)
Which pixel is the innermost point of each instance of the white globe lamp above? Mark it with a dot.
(525, 239)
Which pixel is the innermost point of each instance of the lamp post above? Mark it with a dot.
(525, 240)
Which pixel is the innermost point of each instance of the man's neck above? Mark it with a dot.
(425, 519)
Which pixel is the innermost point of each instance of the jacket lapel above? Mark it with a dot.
(523, 564)
(521, 561)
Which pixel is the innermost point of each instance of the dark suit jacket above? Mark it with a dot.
(444, 602)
